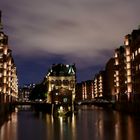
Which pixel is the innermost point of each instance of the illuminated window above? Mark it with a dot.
(116, 62)
(128, 72)
(101, 90)
(95, 80)
(5, 65)
(117, 78)
(137, 68)
(136, 53)
(1, 55)
(5, 50)
(4, 80)
(133, 56)
(4, 73)
(128, 58)
(116, 55)
(128, 79)
(127, 51)
(129, 88)
(117, 84)
(117, 72)
(138, 50)
(128, 66)
(126, 42)
(117, 90)
(100, 77)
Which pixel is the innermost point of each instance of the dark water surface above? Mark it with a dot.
(89, 123)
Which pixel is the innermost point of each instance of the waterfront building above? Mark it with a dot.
(25, 91)
(61, 82)
(133, 42)
(8, 71)
(127, 68)
(120, 73)
(123, 74)
(99, 84)
(87, 90)
(109, 79)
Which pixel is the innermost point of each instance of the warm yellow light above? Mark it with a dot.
(128, 79)
(138, 50)
(116, 55)
(128, 58)
(136, 53)
(117, 90)
(128, 65)
(127, 51)
(126, 42)
(116, 62)
(117, 83)
(117, 72)
(100, 95)
(5, 65)
(129, 88)
(128, 72)
(5, 50)
(133, 56)
(117, 78)
(137, 68)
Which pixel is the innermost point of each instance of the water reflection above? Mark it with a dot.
(8, 131)
(89, 122)
(59, 127)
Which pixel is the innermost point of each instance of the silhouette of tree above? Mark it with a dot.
(39, 92)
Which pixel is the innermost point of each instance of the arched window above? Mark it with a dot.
(59, 82)
(65, 82)
(72, 83)
(56, 82)
(52, 82)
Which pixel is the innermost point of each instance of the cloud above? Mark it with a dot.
(78, 30)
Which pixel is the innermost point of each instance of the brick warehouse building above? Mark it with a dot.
(120, 80)
(8, 71)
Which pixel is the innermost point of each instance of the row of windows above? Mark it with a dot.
(134, 54)
(64, 82)
(137, 67)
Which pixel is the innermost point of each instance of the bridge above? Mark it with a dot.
(97, 102)
(27, 103)
(38, 106)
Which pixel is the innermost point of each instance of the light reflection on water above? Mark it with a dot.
(8, 131)
(89, 122)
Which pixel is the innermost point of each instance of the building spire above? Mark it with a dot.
(1, 27)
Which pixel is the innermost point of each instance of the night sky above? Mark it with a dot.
(84, 32)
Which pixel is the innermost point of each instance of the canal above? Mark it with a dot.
(88, 123)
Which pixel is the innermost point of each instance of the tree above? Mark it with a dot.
(39, 92)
